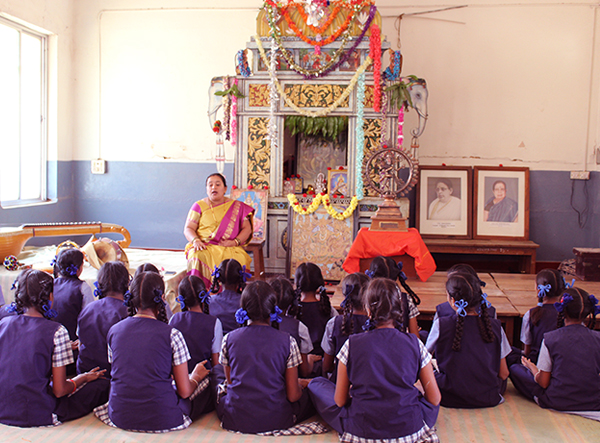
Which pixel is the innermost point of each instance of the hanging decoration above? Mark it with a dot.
(241, 63)
(375, 53)
(220, 149)
(327, 127)
(392, 72)
(384, 105)
(360, 134)
(291, 104)
(273, 97)
(226, 107)
(400, 127)
(326, 201)
(233, 117)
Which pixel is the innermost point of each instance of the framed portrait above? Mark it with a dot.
(444, 201)
(257, 198)
(337, 181)
(501, 202)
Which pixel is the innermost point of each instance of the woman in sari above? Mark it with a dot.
(217, 228)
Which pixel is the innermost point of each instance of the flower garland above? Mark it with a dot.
(388, 74)
(400, 127)
(336, 60)
(292, 105)
(318, 42)
(323, 198)
(233, 117)
(375, 53)
(241, 59)
(273, 97)
(360, 134)
(226, 107)
(321, 29)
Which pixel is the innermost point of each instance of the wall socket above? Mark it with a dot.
(98, 166)
(580, 175)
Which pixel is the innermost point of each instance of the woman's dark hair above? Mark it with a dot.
(578, 309)
(32, 290)
(113, 276)
(550, 285)
(287, 299)
(308, 278)
(68, 263)
(229, 273)
(193, 293)
(382, 300)
(464, 268)
(352, 288)
(147, 289)
(445, 181)
(216, 174)
(259, 301)
(146, 267)
(386, 267)
(466, 287)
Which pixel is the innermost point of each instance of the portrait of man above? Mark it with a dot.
(500, 207)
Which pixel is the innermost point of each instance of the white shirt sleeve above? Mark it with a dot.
(88, 294)
(327, 341)
(217, 338)
(334, 312)
(505, 347)
(433, 336)
(305, 342)
(525, 331)
(544, 362)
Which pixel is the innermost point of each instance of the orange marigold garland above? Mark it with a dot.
(375, 48)
(317, 42)
(321, 29)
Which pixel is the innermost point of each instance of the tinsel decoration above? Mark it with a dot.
(375, 53)
(400, 127)
(360, 134)
(226, 107)
(384, 106)
(233, 118)
(273, 97)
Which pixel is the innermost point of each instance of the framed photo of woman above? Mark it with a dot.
(257, 198)
(337, 182)
(501, 202)
(444, 201)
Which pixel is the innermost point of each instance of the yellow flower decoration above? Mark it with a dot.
(317, 200)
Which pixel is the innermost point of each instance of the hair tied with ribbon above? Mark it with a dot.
(12, 308)
(565, 300)
(97, 291)
(53, 262)
(216, 273)
(485, 301)
(369, 324)
(204, 297)
(72, 270)
(461, 306)
(15, 285)
(127, 298)
(241, 316)
(276, 316)
(594, 302)
(181, 301)
(48, 311)
(543, 290)
(369, 273)
(245, 275)
(569, 285)
(400, 266)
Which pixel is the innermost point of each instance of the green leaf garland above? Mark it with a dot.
(327, 127)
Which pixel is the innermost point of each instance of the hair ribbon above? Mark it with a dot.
(72, 270)
(560, 306)
(48, 311)
(216, 273)
(485, 300)
(244, 274)
(369, 273)
(12, 308)
(543, 290)
(594, 302)
(126, 298)
(402, 275)
(276, 316)
(241, 316)
(204, 297)
(369, 324)
(97, 291)
(460, 307)
(15, 284)
(158, 297)
(181, 301)
(569, 285)
(53, 262)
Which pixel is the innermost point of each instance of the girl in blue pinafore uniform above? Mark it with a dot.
(224, 305)
(203, 334)
(70, 293)
(566, 375)
(315, 308)
(470, 348)
(261, 368)
(35, 350)
(375, 397)
(149, 267)
(147, 355)
(288, 301)
(339, 328)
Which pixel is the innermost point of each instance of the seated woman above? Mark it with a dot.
(216, 228)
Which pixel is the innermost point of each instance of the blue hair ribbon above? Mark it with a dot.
(369, 273)
(244, 274)
(569, 285)
(241, 316)
(48, 311)
(402, 275)
(12, 308)
(485, 300)
(72, 270)
(594, 302)
(97, 291)
(276, 316)
(15, 285)
(216, 273)
(543, 290)
(482, 283)
(204, 297)
(53, 262)
(560, 305)
(181, 301)
(369, 324)
(127, 298)
(460, 307)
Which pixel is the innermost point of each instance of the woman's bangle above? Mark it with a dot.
(74, 385)
(237, 242)
(197, 238)
(194, 380)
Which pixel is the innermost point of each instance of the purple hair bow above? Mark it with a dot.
(560, 305)
(245, 274)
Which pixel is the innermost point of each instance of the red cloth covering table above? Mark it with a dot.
(369, 244)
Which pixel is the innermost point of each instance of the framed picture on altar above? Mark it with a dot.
(257, 198)
(337, 182)
(501, 202)
(444, 201)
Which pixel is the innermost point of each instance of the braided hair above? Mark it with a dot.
(229, 273)
(32, 291)
(382, 302)
(193, 293)
(287, 299)
(352, 288)
(113, 277)
(259, 301)
(68, 263)
(387, 267)
(308, 278)
(553, 279)
(147, 290)
(578, 309)
(466, 290)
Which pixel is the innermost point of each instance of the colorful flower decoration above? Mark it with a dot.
(375, 53)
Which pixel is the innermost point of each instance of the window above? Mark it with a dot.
(23, 113)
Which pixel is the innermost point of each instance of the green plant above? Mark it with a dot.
(327, 127)
(398, 94)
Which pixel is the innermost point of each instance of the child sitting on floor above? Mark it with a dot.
(224, 305)
(566, 377)
(470, 348)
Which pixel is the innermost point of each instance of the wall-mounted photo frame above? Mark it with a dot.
(337, 182)
(257, 198)
(444, 201)
(501, 202)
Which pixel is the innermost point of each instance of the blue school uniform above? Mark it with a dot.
(445, 310)
(469, 378)
(224, 306)
(533, 335)
(315, 320)
(68, 303)
(198, 329)
(141, 395)
(256, 400)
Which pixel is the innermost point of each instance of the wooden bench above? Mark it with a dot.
(524, 250)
